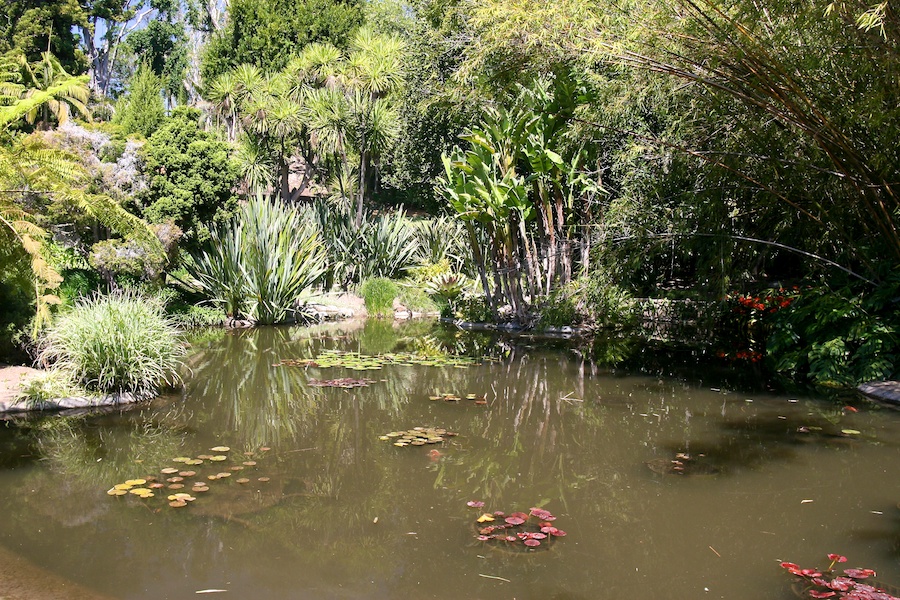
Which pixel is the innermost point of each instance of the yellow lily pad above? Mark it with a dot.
(485, 518)
(220, 449)
(115, 492)
(136, 482)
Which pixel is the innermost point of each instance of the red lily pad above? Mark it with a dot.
(859, 573)
(837, 558)
(475, 504)
(817, 594)
(513, 520)
(532, 543)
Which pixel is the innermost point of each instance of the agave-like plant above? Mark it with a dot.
(218, 270)
(261, 261)
(283, 256)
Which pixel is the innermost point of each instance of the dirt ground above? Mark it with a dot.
(11, 377)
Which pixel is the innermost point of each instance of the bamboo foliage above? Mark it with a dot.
(839, 104)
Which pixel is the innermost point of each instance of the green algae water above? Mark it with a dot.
(667, 487)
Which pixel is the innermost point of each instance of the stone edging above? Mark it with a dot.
(74, 402)
(883, 391)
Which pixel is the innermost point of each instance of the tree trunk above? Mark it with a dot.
(478, 255)
(361, 193)
(285, 179)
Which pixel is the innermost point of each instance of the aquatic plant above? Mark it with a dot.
(362, 362)
(532, 529)
(848, 585)
(122, 342)
(418, 436)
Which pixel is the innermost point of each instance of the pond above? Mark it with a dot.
(682, 487)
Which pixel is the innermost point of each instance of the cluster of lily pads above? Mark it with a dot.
(364, 362)
(418, 436)
(531, 529)
(827, 583)
(479, 399)
(172, 478)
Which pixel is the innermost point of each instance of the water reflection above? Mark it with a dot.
(347, 515)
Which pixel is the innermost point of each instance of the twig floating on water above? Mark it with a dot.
(716, 553)
(494, 577)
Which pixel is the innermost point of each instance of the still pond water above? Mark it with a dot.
(345, 514)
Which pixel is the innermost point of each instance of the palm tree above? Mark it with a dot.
(372, 74)
(42, 90)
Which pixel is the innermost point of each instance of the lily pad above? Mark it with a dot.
(220, 449)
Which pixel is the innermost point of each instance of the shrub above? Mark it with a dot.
(379, 294)
(261, 262)
(608, 305)
(117, 343)
(413, 297)
(559, 309)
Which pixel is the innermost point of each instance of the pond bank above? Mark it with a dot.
(887, 392)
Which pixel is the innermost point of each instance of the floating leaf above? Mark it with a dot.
(475, 503)
(176, 486)
(250, 463)
(219, 458)
(157, 486)
(136, 482)
(264, 449)
(181, 459)
(486, 517)
(175, 479)
(236, 468)
(139, 491)
(177, 503)
(263, 479)
(123, 486)
(220, 449)
(195, 461)
(531, 543)
(243, 480)
(850, 431)
(187, 473)
(168, 470)
(514, 520)
(115, 492)
(223, 475)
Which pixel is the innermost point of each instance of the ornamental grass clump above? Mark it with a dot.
(120, 343)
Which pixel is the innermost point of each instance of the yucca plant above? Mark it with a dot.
(122, 342)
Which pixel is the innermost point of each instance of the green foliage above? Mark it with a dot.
(261, 262)
(126, 257)
(141, 109)
(266, 33)
(77, 283)
(16, 294)
(473, 308)
(379, 294)
(558, 309)
(416, 299)
(190, 177)
(47, 386)
(162, 45)
(607, 305)
(28, 26)
(382, 246)
(839, 338)
(116, 343)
